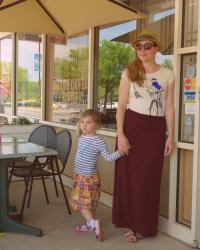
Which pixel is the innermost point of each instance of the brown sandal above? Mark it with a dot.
(139, 236)
(133, 237)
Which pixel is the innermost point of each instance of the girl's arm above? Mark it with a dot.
(123, 144)
(103, 147)
(169, 116)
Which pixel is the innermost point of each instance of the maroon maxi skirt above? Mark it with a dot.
(138, 174)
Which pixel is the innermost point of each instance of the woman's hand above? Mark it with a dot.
(123, 144)
(169, 145)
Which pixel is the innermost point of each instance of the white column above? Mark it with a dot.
(91, 68)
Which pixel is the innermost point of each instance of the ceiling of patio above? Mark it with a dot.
(61, 16)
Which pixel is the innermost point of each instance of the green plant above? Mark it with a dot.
(20, 121)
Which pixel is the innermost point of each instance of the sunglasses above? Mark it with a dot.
(146, 46)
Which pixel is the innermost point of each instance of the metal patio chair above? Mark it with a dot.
(43, 135)
(62, 144)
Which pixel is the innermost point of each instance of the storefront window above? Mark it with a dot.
(164, 191)
(29, 51)
(113, 58)
(190, 22)
(188, 94)
(5, 73)
(159, 17)
(67, 76)
(184, 189)
(115, 51)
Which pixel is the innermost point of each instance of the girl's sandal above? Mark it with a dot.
(98, 231)
(83, 228)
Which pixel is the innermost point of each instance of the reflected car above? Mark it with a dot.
(108, 106)
(61, 105)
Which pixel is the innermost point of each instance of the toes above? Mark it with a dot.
(133, 237)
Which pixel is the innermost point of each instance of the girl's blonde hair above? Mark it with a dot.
(94, 114)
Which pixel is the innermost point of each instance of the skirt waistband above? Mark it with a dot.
(139, 115)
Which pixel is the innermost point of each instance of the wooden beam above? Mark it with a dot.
(50, 16)
(123, 6)
(11, 4)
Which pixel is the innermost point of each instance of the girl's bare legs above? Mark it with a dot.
(87, 214)
(93, 213)
(91, 223)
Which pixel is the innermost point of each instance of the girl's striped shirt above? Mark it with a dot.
(89, 149)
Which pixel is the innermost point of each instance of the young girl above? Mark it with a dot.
(86, 182)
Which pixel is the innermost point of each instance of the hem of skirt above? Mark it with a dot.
(140, 232)
(78, 208)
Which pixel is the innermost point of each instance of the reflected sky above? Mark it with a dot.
(117, 30)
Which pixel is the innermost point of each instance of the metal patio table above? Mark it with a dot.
(11, 148)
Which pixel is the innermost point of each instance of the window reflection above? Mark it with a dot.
(5, 73)
(115, 51)
(29, 75)
(113, 58)
(188, 94)
(67, 78)
(190, 22)
(184, 189)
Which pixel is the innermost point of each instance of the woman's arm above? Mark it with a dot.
(123, 144)
(169, 116)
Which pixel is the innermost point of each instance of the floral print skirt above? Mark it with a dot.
(86, 192)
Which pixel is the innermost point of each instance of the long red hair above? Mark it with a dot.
(136, 71)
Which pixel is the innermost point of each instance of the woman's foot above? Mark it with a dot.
(133, 237)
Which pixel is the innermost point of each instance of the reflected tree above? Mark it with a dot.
(113, 58)
(167, 64)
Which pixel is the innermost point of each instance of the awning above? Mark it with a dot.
(166, 42)
(61, 16)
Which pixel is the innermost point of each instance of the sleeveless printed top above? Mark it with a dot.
(149, 99)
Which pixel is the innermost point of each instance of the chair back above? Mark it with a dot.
(43, 135)
(62, 144)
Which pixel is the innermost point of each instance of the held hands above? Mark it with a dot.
(123, 144)
(169, 145)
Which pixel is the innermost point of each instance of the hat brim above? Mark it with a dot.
(146, 37)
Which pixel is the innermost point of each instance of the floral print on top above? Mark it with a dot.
(155, 92)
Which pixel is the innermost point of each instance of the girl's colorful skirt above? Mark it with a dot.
(86, 192)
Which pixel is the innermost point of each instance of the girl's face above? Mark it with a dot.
(146, 50)
(88, 126)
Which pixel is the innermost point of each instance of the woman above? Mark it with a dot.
(148, 90)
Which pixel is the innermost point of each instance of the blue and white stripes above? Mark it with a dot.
(89, 149)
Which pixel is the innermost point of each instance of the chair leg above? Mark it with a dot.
(30, 192)
(10, 178)
(26, 181)
(64, 193)
(54, 180)
(45, 190)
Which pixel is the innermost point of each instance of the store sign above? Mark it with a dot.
(189, 109)
(37, 62)
(189, 90)
(191, 71)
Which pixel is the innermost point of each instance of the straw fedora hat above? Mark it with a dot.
(147, 34)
